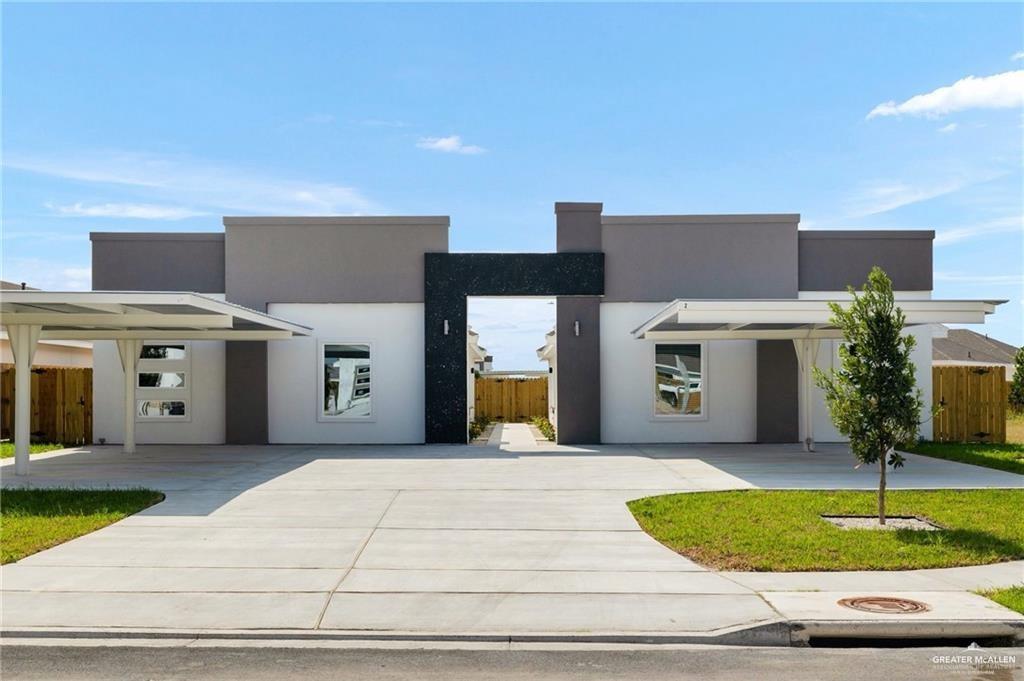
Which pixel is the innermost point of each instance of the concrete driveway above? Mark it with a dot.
(513, 538)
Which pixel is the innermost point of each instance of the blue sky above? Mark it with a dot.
(166, 117)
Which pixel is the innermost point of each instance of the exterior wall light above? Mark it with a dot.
(576, 327)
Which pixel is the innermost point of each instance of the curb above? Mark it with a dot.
(761, 635)
(780, 633)
(803, 631)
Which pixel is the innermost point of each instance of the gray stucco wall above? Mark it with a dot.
(661, 258)
(329, 260)
(830, 260)
(245, 409)
(313, 260)
(578, 227)
(579, 370)
(149, 261)
(777, 392)
(578, 379)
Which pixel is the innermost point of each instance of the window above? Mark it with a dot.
(346, 388)
(163, 351)
(163, 383)
(161, 409)
(678, 380)
(163, 379)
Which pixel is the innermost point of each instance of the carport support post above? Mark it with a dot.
(129, 349)
(23, 338)
(806, 353)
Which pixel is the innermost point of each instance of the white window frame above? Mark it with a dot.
(652, 380)
(145, 394)
(321, 417)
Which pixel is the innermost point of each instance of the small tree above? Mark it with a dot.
(1016, 396)
(873, 397)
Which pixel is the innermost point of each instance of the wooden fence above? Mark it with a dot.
(973, 401)
(511, 399)
(61, 404)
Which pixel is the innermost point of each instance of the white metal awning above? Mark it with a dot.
(127, 317)
(147, 315)
(805, 322)
(767, 319)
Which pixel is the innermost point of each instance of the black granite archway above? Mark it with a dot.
(451, 277)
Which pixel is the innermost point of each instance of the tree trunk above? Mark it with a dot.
(881, 491)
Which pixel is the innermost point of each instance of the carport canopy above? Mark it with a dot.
(127, 317)
(805, 322)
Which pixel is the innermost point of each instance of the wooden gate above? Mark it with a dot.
(511, 399)
(61, 404)
(973, 401)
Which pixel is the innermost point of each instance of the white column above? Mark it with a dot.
(807, 353)
(129, 350)
(23, 338)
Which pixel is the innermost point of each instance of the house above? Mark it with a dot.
(670, 328)
(476, 359)
(964, 347)
(549, 353)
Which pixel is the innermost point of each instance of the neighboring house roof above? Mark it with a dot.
(964, 345)
(13, 286)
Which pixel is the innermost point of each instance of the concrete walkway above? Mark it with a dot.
(513, 539)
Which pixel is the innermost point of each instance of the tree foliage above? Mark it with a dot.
(873, 397)
(1016, 396)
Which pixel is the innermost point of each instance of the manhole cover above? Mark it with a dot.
(884, 605)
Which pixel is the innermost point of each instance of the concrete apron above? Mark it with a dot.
(517, 543)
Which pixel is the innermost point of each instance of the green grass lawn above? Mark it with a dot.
(1015, 428)
(782, 531)
(1008, 457)
(1012, 597)
(7, 448)
(35, 519)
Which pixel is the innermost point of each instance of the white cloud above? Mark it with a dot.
(1017, 56)
(881, 197)
(1012, 223)
(1001, 91)
(449, 145)
(138, 211)
(946, 129)
(185, 180)
(47, 275)
(41, 236)
(990, 279)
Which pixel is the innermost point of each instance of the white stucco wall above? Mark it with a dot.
(395, 334)
(627, 385)
(205, 421)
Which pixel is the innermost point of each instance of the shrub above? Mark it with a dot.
(544, 426)
(477, 425)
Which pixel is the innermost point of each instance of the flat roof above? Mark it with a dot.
(710, 219)
(337, 220)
